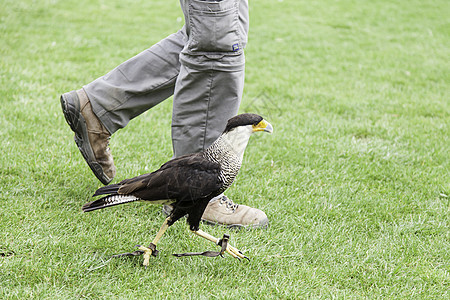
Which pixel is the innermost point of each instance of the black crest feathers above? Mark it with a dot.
(242, 120)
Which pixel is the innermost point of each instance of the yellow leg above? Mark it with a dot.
(147, 251)
(236, 253)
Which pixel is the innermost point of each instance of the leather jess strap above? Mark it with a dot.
(139, 252)
(222, 242)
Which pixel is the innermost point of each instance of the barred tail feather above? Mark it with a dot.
(108, 201)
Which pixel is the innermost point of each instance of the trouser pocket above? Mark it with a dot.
(214, 27)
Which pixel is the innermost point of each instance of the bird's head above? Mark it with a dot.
(240, 128)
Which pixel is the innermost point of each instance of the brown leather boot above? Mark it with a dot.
(223, 211)
(91, 136)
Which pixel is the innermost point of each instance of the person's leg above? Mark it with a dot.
(209, 89)
(110, 102)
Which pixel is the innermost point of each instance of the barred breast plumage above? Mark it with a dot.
(230, 163)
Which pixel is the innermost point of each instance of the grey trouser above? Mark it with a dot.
(207, 81)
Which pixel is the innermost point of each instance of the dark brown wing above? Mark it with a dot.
(183, 179)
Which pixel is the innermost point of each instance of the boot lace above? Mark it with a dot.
(229, 203)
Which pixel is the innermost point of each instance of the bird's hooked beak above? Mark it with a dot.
(263, 126)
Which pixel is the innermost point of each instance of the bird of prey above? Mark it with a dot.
(188, 182)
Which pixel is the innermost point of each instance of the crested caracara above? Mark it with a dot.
(188, 182)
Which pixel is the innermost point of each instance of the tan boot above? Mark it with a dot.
(91, 137)
(222, 211)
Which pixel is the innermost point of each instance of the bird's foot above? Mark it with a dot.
(147, 252)
(236, 253)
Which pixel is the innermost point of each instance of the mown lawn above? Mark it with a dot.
(355, 178)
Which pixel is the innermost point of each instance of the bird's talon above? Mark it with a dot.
(146, 259)
(148, 252)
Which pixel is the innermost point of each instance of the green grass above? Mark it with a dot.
(355, 178)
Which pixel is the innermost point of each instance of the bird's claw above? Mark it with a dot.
(147, 252)
(236, 253)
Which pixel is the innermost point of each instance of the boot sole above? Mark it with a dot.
(76, 121)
